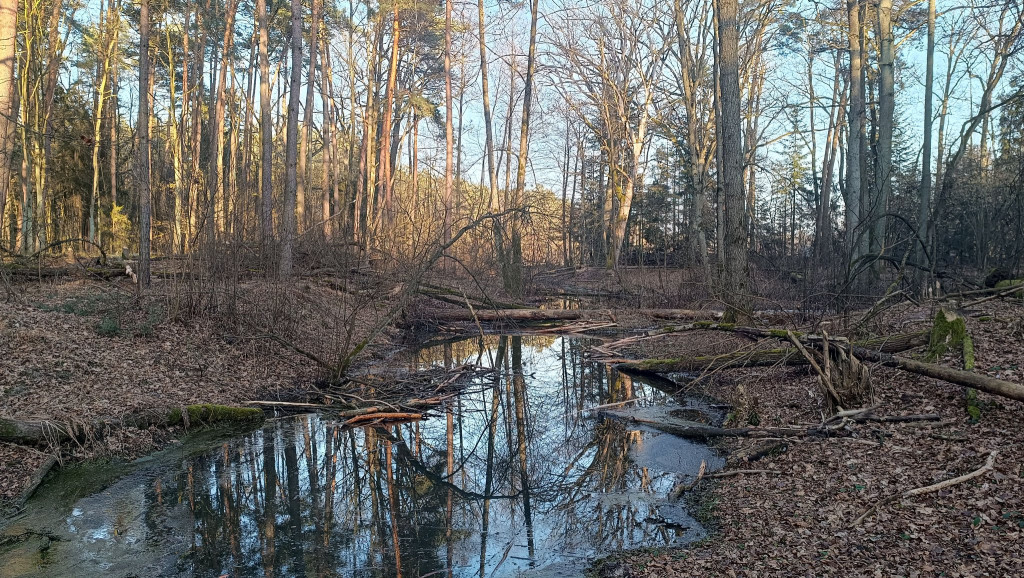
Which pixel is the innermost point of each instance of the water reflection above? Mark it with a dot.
(511, 476)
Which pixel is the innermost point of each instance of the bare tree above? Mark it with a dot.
(266, 129)
(142, 158)
(855, 136)
(925, 189)
(8, 37)
(288, 218)
(735, 282)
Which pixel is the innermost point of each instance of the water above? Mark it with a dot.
(514, 478)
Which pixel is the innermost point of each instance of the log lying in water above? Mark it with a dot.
(690, 430)
(529, 315)
(765, 357)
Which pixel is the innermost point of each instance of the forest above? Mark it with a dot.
(788, 232)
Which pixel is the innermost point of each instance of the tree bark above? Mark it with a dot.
(731, 173)
(292, 144)
(886, 111)
(8, 45)
(855, 136)
(305, 172)
(215, 172)
(978, 381)
(266, 130)
(925, 189)
(449, 135)
(142, 158)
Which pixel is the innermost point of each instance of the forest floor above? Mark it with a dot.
(799, 518)
(77, 350)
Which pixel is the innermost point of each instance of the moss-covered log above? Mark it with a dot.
(764, 357)
(1005, 287)
(34, 431)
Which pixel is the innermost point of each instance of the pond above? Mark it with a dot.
(514, 477)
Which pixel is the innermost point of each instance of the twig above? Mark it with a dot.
(730, 473)
(607, 405)
(989, 466)
(373, 417)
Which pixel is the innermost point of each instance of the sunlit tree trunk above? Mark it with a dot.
(514, 279)
(305, 172)
(384, 174)
(178, 242)
(266, 130)
(142, 150)
(215, 173)
(449, 136)
(8, 37)
(291, 144)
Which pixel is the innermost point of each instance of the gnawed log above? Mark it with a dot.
(765, 357)
(36, 431)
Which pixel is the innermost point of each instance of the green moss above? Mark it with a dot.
(973, 407)
(727, 326)
(968, 353)
(948, 331)
(207, 414)
(1011, 283)
(703, 324)
(985, 318)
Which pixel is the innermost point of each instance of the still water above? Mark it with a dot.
(513, 478)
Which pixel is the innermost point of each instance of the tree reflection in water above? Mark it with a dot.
(512, 476)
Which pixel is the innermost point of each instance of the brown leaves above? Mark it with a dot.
(797, 524)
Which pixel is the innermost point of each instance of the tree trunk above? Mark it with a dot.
(292, 144)
(735, 274)
(142, 150)
(384, 174)
(215, 172)
(514, 281)
(305, 172)
(266, 131)
(8, 44)
(449, 136)
(855, 136)
(886, 110)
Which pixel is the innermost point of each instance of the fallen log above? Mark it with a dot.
(36, 431)
(374, 418)
(765, 357)
(978, 381)
(560, 314)
(703, 432)
(505, 315)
